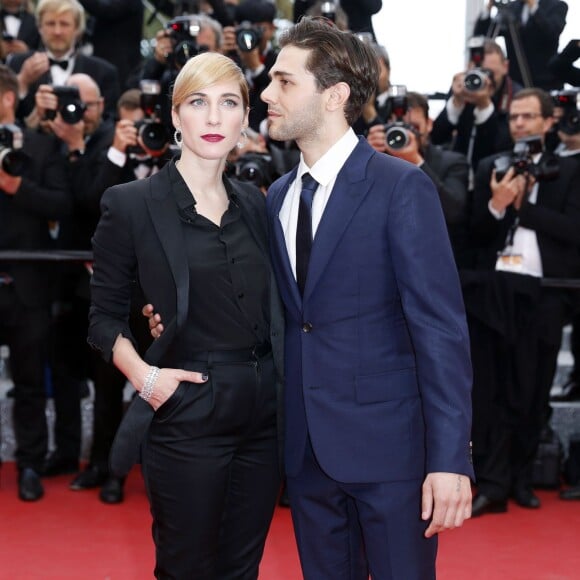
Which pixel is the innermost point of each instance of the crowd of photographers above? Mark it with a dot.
(81, 110)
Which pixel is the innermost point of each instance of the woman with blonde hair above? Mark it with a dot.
(205, 418)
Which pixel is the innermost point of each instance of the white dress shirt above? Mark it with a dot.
(325, 171)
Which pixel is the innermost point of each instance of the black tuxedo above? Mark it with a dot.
(25, 304)
(516, 325)
(102, 72)
(28, 31)
(116, 33)
(539, 39)
(562, 65)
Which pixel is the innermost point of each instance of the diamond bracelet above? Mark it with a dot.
(149, 383)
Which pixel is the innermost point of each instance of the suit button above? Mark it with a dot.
(306, 327)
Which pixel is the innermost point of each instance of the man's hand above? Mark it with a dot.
(376, 138)
(446, 501)
(9, 183)
(45, 100)
(14, 46)
(229, 43)
(32, 69)
(72, 135)
(458, 90)
(482, 98)
(155, 326)
(505, 192)
(125, 135)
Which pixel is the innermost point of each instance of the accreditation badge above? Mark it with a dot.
(508, 262)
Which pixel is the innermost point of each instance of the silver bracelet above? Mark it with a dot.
(149, 383)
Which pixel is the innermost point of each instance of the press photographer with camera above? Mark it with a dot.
(18, 27)
(562, 64)
(61, 24)
(474, 119)
(250, 44)
(406, 136)
(531, 29)
(526, 224)
(31, 194)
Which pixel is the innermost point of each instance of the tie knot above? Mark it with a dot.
(309, 186)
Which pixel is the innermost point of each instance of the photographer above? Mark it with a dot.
(527, 227)
(31, 193)
(250, 43)
(61, 25)
(408, 139)
(562, 64)
(474, 119)
(18, 27)
(531, 29)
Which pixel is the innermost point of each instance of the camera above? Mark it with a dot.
(569, 102)
(328, 10)
(397, 132)
(522, 161)
(255, 168)
(248, 37)
(70, 106)
(7, 37)
(12, 159)
(475, 78)
(183, 31)
(150, 131)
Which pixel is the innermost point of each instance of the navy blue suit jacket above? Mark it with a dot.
(377, 352)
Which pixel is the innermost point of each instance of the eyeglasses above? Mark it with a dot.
(524, 116)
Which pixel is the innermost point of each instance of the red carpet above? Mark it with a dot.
(71, 535)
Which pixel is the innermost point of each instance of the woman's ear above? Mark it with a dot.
(175, 118)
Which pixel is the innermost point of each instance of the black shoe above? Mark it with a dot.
(525, 497)
(571, 493)
(29, 485)
(90, 478)
(483, 505)
(57, 464)
(570, 391)
(112, 490)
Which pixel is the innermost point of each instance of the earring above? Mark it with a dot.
(178, 138)
(242, 141)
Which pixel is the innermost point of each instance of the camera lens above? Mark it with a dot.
(13, 162)
(397, 137)
(474, 81)
(72, 113)
(153, 135)
(247, 39)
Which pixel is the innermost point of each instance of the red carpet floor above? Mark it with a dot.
(71, 535)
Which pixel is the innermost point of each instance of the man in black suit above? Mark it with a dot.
(61, 24)
(28, 200)
(448, 170)
(115, 30)
(475, 122)
(255, 61)
(527, 229)
(18, 28)
(533, 25)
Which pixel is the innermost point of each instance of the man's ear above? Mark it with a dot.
(338, 96)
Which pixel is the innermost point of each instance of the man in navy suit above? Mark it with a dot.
(378, 374)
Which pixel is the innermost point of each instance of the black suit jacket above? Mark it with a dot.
(139, 235)
(116, 33)
(28, 31)
(555, 217)
(24, 217)
(539, 39)
(102, 72)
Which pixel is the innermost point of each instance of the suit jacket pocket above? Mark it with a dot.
(387, 386)
(167, 410)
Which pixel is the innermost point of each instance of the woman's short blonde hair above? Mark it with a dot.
(204, 70)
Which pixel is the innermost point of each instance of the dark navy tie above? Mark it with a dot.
(304, 229)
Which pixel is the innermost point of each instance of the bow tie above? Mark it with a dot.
(4, 13)
(63, 64)
(148, 161)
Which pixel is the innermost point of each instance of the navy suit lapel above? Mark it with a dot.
(286, 280)
(349, 190)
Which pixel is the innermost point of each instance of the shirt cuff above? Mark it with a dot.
(116, 157)
(453, 111)
(498, 215)
(480, 116)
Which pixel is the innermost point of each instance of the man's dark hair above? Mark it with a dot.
(418, 101)
(546, 103)
(335, 57)
(8, 81)
(492, 47)
(130, 100)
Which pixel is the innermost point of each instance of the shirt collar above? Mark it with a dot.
(329, 165)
